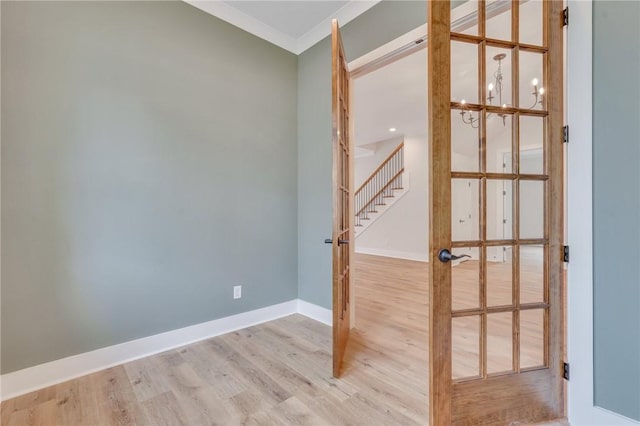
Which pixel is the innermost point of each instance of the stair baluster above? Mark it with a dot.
(379, 185)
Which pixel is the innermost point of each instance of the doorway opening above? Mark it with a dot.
(495, 190)
(390, 283)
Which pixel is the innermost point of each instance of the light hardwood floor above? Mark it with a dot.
(277, 373)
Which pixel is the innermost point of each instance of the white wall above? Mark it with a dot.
(365, 165)
(402, 231)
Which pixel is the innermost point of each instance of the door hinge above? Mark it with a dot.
(565, 17)
(565, 370)
(565, 254)
(565, 134)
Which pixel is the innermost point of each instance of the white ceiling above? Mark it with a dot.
(293, 18)
(291, 24)
(392, 96)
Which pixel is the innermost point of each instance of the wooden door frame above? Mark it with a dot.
(439, 139)
(441, 387)
(338, 339)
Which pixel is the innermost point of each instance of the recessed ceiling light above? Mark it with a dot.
(392, 129)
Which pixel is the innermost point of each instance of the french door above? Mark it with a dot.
(342, 207)
(496, 315)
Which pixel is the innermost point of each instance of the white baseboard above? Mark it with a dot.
(40, 376)
(315, 312)
(420, 257)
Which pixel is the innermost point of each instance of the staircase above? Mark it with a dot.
(383, 188)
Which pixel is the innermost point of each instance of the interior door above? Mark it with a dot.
(496, 348)
(342, 208)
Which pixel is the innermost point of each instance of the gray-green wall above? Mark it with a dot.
(616, 195)
(148, 165)
(382, 23)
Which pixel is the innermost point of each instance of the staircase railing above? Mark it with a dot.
(380, 185)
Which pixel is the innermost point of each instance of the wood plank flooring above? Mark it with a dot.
(277, 373)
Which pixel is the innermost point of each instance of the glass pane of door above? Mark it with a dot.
(465, 335)
(465, 197)
(532, 340)
(500, 343)
(499, 193)
(465, 279)
(499, 18)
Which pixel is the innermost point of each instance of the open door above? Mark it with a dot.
(496, 322)
(342, 216)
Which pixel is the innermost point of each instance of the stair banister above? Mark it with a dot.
(380, 184)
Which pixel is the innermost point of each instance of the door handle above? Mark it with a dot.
(340, 242)
(445, 255)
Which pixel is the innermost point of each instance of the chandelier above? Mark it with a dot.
(495, 91)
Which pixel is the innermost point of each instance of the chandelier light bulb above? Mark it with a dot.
(467, 115)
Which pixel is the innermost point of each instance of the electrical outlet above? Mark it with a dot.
(237, 292)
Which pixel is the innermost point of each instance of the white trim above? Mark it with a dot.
(392, 46)
(420, 257)
(345, 14)
(580, 223)
(58, 371)
(235, 17)
(315, 312)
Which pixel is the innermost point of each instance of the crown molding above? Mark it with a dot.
(230, 14)
(345, 14)
(245, 22)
